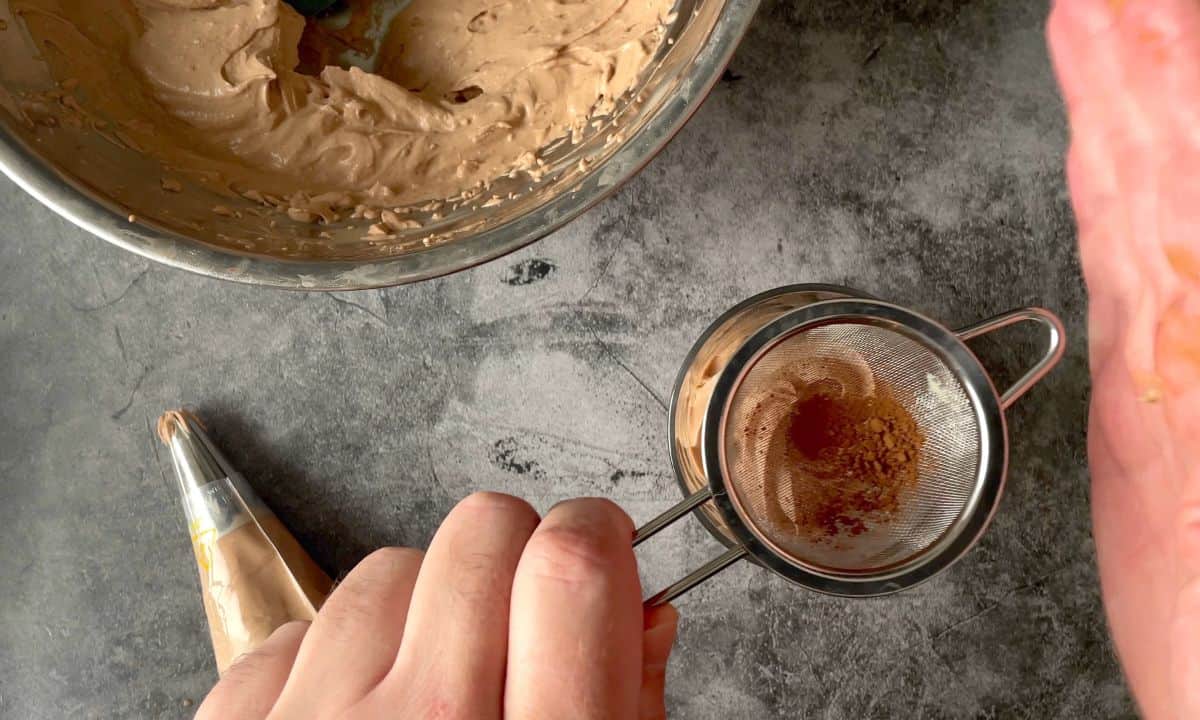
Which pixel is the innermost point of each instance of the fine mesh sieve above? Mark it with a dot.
(856, 359)
(853, 348)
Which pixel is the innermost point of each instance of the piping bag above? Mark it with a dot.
(254, 575)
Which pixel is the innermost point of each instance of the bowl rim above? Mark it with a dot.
(57, 191)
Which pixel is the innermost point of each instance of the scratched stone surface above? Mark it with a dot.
(912, 149)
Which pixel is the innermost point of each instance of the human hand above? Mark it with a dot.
(1130, 73)
(505, 616)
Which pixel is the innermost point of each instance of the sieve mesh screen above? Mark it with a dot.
(775, 489)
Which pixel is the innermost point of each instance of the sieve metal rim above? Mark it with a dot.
(839, 291)
(985, 402)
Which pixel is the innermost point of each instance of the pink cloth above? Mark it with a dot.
(1130, 73)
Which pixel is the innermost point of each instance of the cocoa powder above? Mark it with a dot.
(856, 457)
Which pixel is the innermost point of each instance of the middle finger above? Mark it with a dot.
(576, 629)
(452, 659)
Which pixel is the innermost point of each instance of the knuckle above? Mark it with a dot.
(386, 562)
(291, 626)
(483, 505)
(279, 636)
(348, 611)
(245, 670)
(356, 599)
(483, 540)
(481, 578)
(598, 510)
(570, 553)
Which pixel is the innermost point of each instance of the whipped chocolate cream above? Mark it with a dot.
(460, 93)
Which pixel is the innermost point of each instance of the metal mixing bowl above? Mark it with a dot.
(114, 192)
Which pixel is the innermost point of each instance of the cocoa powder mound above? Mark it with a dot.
(855, 458)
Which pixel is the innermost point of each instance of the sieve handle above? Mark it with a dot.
(695, 577)
(1055, 334)
(668, 518)
(700, 574)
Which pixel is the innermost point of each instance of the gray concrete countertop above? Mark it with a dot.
(912, 149)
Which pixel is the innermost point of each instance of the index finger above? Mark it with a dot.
(575, 629)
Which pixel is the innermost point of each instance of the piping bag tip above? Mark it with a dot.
(196, 459)
(173, 421)
(254, 576)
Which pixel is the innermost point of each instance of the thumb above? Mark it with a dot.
(657, 640)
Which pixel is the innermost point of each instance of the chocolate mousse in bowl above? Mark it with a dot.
(384, 142)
